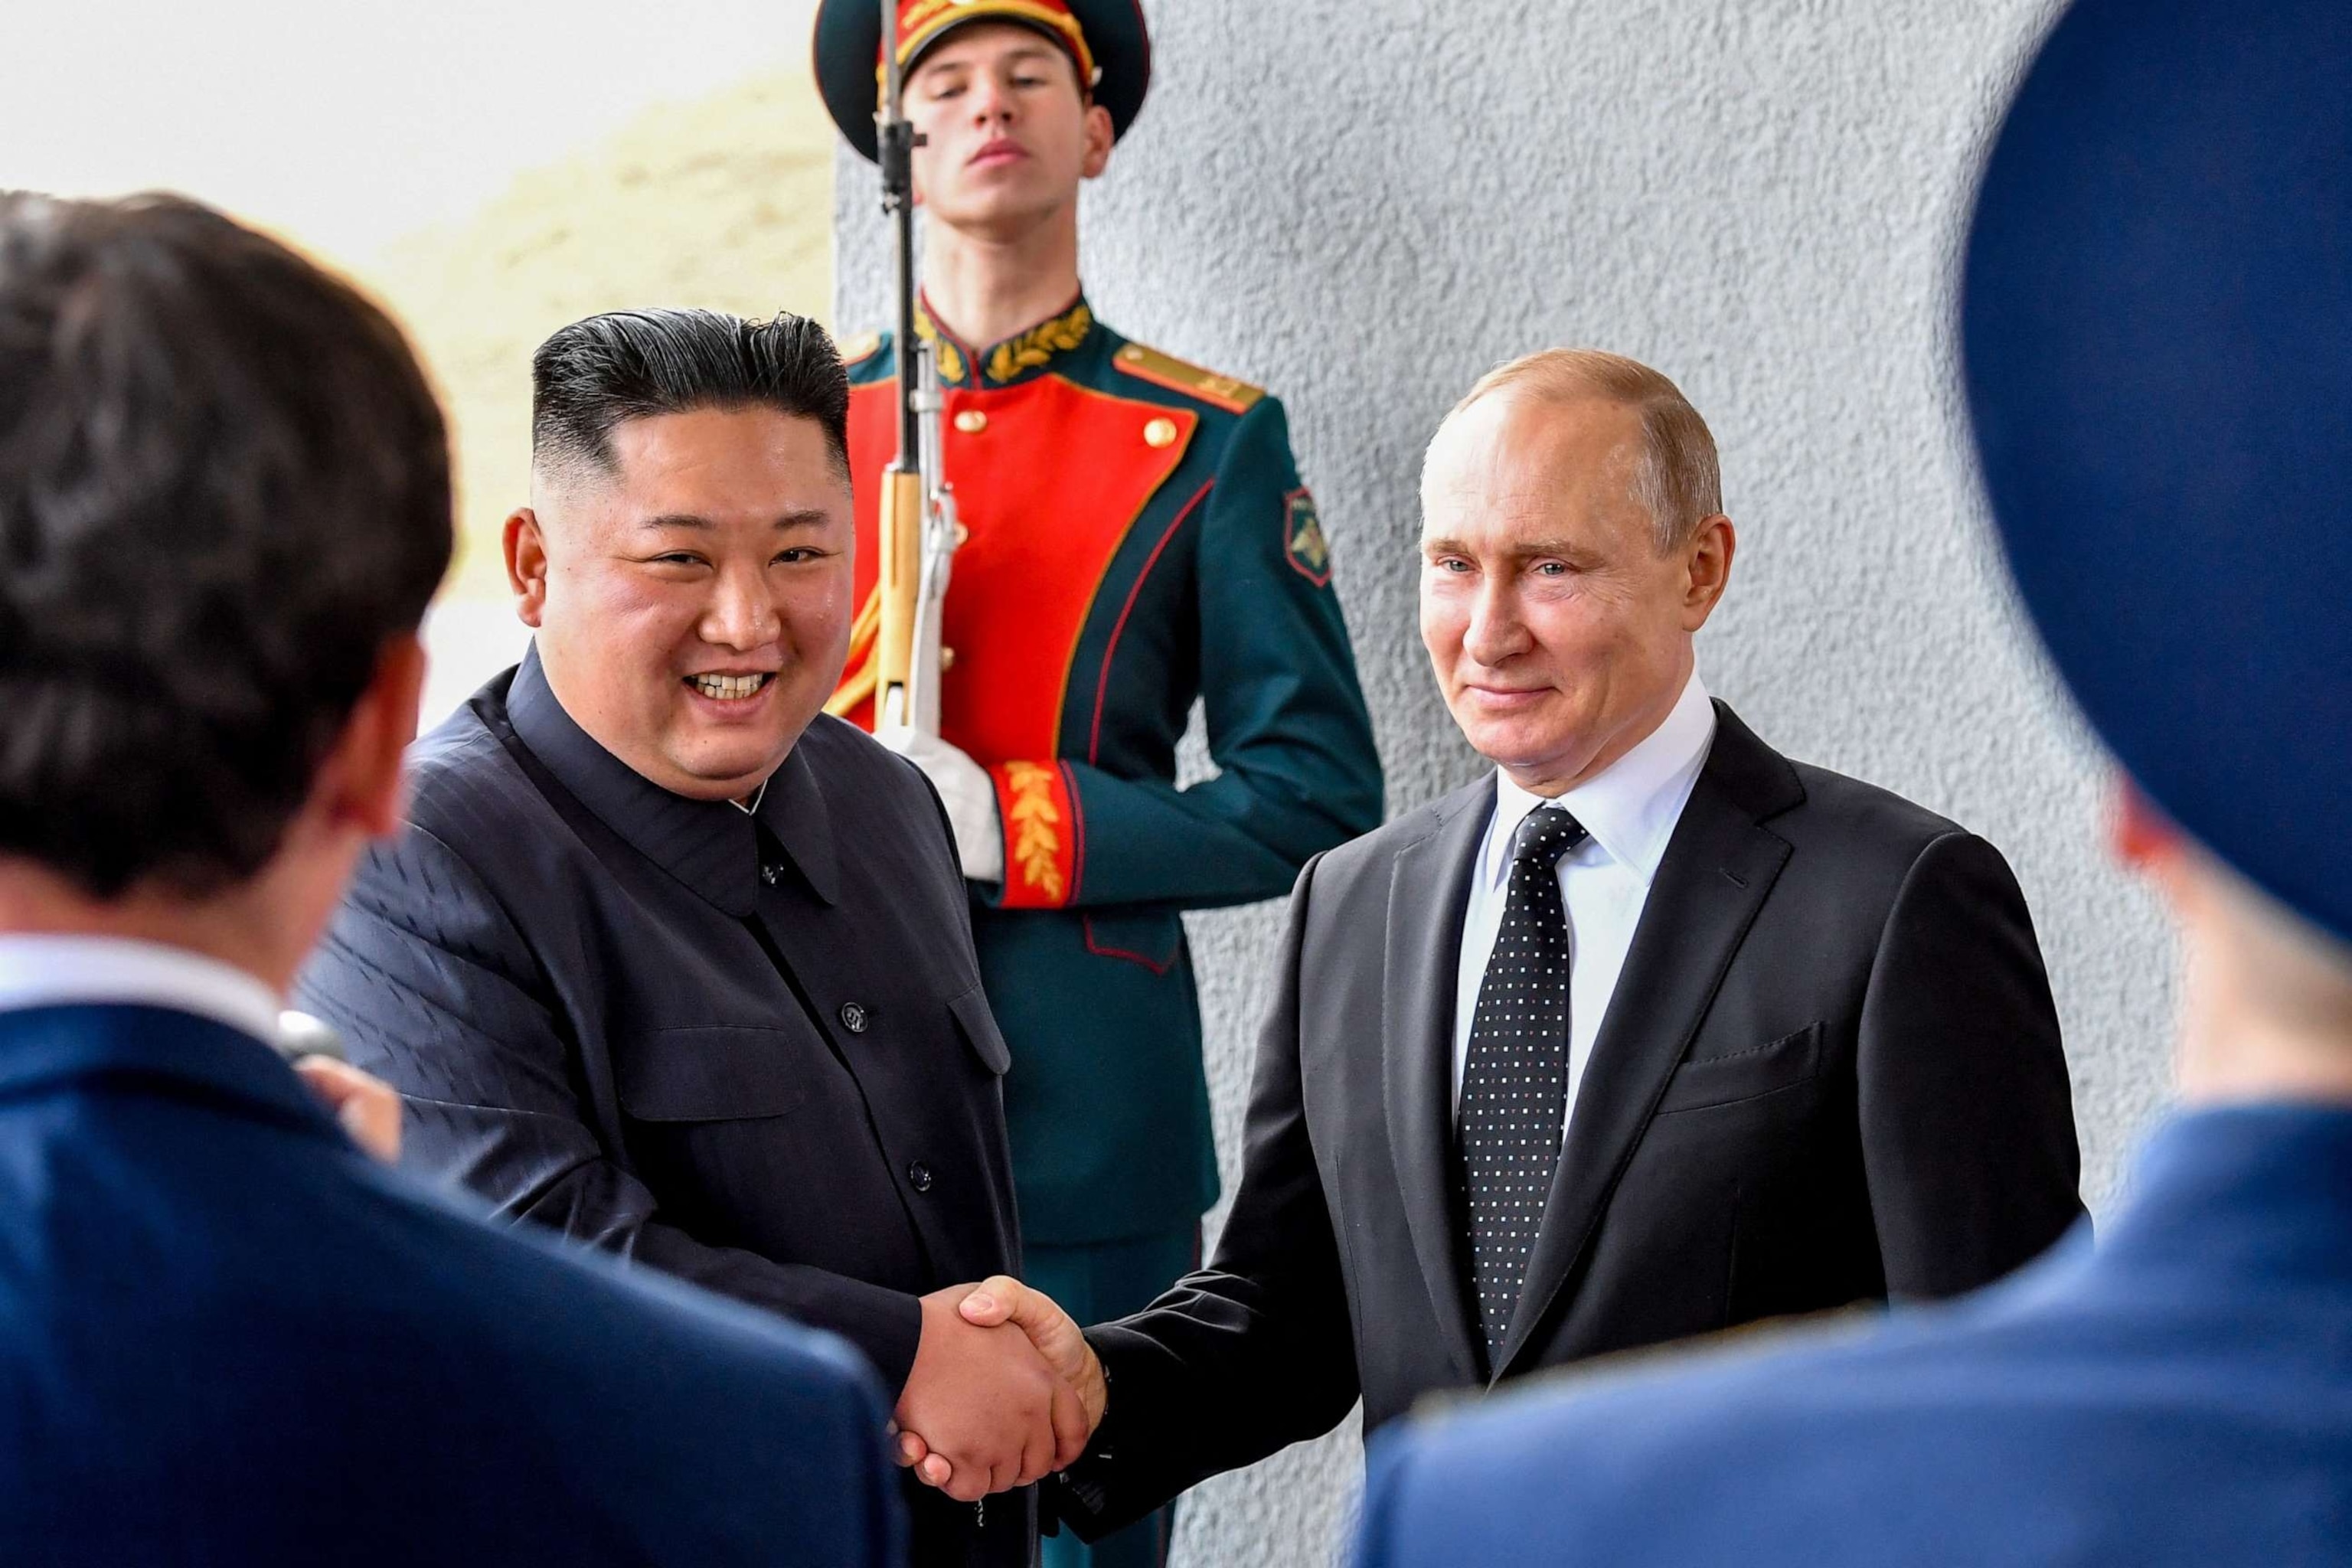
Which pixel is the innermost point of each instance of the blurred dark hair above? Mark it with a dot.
(629, 365)
(223, 489)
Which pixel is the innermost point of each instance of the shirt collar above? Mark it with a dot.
(45, 971)
(1023, 357)
(711, 845)
(1631, 807)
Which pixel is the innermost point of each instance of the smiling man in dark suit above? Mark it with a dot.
(2154, 313)
(1650, 1034)
(227, 1335)
(670, 962)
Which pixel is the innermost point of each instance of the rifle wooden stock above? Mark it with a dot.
(900, 538)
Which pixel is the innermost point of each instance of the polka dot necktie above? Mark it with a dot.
(1515, 1081)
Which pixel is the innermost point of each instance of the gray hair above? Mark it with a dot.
(1677, 481)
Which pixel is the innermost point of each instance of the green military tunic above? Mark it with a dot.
(1139, 539)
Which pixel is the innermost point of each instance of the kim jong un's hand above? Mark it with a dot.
(368, 1106)
(982, 1407)
(1001, 1302)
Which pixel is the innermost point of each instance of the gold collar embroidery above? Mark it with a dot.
(1039, 343)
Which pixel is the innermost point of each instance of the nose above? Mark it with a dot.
(743, 614)
(991, 104)
(1495, 631)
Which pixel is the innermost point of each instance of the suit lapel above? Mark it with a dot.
(1429, 888)
(1718, 867)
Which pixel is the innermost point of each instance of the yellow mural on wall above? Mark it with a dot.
(724, 202)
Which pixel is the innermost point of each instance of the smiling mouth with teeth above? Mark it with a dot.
(730, 688)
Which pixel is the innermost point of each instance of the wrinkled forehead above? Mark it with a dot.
(1513, 451)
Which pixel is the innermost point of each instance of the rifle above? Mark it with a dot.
(899, 629)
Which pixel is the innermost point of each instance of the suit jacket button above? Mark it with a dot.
(770, 874)
(853, 1017)
(918, 1176)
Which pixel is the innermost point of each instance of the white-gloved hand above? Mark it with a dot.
(968, 793)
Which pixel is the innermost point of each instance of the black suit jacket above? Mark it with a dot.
(1831, 1072)
(752, 1055)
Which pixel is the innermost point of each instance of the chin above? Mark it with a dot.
(723, 773)
(1523, 748)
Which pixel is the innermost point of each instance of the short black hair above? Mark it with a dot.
(223, 490)
(594, 374)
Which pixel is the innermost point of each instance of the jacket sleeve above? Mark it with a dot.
(1968, 1120)
(1251, 1354)
(434, 990)
(1297, 771)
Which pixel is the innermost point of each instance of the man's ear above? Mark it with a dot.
(526, 555)
(362, 782)
(1707, 564)
(1098, 141)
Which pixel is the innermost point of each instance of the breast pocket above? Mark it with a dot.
(713, 1073)
(978, 1026)
(1785, 1063)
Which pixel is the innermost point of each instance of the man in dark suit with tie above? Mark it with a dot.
(670, 962)
(2155, 320)
(226, 1334)
(1650, 1034)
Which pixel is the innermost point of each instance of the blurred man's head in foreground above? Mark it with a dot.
(2158, 335)
(224, 506)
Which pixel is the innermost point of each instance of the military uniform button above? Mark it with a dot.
(853, 1017)
(971, 421)
(918, 1176)
(1159, 432)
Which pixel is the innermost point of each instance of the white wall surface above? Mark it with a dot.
(1364, 203)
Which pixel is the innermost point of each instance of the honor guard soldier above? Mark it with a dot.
(1134, 535)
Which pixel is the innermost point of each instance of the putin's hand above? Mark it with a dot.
(996, 1304)
(967, 792)
(982, 1409)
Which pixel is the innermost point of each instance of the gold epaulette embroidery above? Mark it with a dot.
(859, 348)
(1166, 370)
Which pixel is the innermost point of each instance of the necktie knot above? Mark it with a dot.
(1545, 834)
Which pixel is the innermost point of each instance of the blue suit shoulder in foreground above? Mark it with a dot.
(228, 1337)
(2178, 1393)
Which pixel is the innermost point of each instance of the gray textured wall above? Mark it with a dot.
(1364, 203)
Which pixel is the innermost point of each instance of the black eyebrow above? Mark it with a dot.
(805, 517)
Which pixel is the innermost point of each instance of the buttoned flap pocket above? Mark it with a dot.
(1150, 937)
(980, 1031)
(715, 1072)
(1747, 1074)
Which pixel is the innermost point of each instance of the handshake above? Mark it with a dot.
(1004, 1391)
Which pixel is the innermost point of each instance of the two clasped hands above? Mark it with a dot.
(1004, 1391)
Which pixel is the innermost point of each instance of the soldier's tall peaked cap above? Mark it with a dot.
(1107, 39)
(2157, 326)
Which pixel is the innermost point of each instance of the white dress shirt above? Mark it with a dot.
(90, 971)
(1630, 809)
